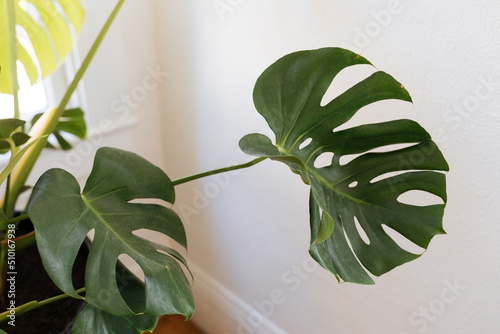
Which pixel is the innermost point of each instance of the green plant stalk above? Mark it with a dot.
(34, 305)
(88, 59)
(11, 16)
(11, 13)
(6, 196)
(7, 184)
(216, 171)
(14, 160)
(48, 122)
(18, 218)
(22, 242)
(3, 272)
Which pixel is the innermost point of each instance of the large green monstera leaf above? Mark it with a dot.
(63, 217)
(47, 27)
(361, 194)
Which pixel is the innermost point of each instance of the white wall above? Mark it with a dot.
(123, 108)
(248, 233)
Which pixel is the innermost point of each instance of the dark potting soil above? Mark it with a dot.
(33, 283)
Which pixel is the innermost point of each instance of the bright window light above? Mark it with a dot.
(32, 99)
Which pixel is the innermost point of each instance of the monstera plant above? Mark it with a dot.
(352, 205)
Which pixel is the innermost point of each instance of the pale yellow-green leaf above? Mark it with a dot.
(5, 74)
(56, 25)
(29, 66)
(52, 39)
(75, 13)
(40, 41)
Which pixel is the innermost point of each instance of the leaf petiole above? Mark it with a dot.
(217, 171)
(34, 305)
(11, 12)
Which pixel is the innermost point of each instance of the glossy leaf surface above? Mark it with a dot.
(361, 194)
(63, 216)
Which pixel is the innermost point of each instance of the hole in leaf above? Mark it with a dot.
(419, 198)
(378, 112)
(152, 235)
(128, 274)
(159, 238)
(373, 277)
(162, 252)
(345, 159)
(396, 173)
(156, 201)
(32, 11)
(305, 143)
(361, 231)
(323, 160)
(91, 234)
(389, 175)
(347, 78)
(402, 241)
(131, 265)
(78, 270)
(390, 148)
(353, 184)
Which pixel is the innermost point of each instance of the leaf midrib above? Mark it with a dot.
(297, 115)
(109, 227)
(319, 177)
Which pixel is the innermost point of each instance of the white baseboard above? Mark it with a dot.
(220, 311)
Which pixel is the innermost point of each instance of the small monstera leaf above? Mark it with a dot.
(288, 95)
(63, 216)
(47, 26)
(72, 121)
(9, 138)
(8, 126)
(94, 320)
